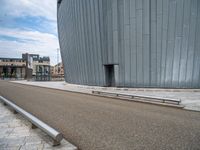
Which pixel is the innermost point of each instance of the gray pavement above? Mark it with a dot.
(16, 134)
(98, 123)
(190, 98)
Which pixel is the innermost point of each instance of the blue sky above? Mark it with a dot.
(28, 26)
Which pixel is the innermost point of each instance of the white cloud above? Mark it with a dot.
(31, 41)
(44, 44)
(44, 8)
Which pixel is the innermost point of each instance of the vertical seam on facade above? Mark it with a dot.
(142, 43)
(174, 46)
(181, 45)
(188, 42)
(166, 41)
(150, 76)
(161, 50)
(136, 40)
(194, 56)
(156, 40)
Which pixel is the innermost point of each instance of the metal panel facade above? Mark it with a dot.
(148, 43)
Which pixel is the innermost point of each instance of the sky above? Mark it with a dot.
(28, 26)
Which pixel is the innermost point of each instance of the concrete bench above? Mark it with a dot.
(132, 96)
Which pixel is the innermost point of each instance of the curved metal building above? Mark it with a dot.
(130, 43)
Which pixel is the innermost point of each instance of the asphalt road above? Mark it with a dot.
(98, 123)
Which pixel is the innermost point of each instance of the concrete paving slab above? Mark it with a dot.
(16, 134)
(190, 98)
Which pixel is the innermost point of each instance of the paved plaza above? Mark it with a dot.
(16, 134)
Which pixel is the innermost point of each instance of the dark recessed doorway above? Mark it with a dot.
(110, 75)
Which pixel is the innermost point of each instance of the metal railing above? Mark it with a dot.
(55, 135)
(132, 96)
